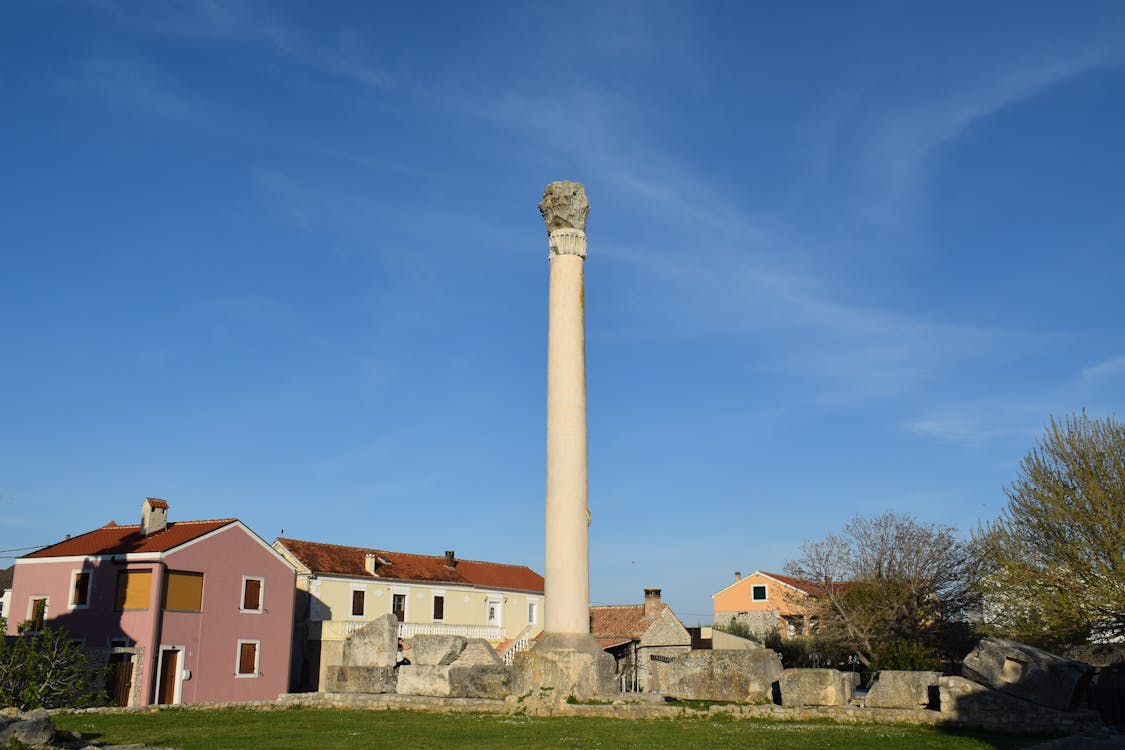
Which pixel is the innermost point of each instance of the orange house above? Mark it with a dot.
(764, 601)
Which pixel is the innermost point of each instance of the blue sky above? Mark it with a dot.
(284, 263)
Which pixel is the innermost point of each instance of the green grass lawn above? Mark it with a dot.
(325, 729)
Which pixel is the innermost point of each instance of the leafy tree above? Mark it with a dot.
(1055, 559)
(889, 578)
(44, 669)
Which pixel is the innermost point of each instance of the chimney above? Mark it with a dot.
(737, 576)
(154, 515)
(653, 607)
(450, 558)
(370, 560)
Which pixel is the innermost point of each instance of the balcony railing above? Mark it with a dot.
(341, 630)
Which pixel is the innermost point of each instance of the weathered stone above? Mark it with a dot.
(969, 703)
(739, 676)
(478, 653)
(31, 728)
(566, 665)
(373, 645)
(360, 680)
(902, 689)
(1027, 672)
(436, 650)
(454, 682)
(565, 206)
(816, 687)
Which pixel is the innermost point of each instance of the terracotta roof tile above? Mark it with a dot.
(112, 539)
(336, 559)
(619, 621)
(156, 502)
(809, 587)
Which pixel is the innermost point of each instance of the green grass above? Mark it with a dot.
(324, 729)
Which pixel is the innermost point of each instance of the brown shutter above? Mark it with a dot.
(252, 594)
(183, 591)
(81, 596)
(133, 587)
(247, 653)
(357, 603)
(439, 607)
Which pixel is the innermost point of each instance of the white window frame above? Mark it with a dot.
(89, 588)
(261, 595)
(31, 608)
(178, 690)
(765, 592)
(498, 601)
(257, 658)
(444, 600)
(351, 600)
(404, 592)
(532, 611)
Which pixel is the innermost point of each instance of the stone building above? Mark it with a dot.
(642, 638)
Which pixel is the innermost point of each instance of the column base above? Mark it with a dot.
(564, 665)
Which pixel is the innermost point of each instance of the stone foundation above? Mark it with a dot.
(564, 665)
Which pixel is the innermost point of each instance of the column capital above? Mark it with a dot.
(564, 208)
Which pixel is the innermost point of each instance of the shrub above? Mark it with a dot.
(44, 669)
(904, 654)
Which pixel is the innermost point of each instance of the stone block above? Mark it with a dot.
(360, 680)
(564, 664)
(31, 728)
(902, 689)
(373, 645)
(737, 676)
(1027, 672)
(478, 653)
(816, 687)
(450, 681)
(435, 650)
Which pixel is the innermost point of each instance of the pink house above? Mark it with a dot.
(185, 612)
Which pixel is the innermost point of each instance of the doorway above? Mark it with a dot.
(168, 681)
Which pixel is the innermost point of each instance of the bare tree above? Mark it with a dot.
(889, 579)
(1056, 557)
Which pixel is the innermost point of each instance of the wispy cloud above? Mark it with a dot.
(903, 135)
(981, 424)
(136, 85)
(1109, 368)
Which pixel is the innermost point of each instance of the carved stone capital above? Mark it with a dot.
(564, 206)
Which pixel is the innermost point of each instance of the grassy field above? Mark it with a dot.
(321, 729)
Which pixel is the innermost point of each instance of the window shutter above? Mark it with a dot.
(183, 591)
(247, 655)
(252, 594)
(133, 587)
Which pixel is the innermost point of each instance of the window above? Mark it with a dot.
(758, 593)
(398, 606)
(358, 595)
(439, 607)
(37, 612)
(80, 589)
(183, 591)
(252, 594)
(247, 659)
(532, 612)
(133, 587)
(495, 610)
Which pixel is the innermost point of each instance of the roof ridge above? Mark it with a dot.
(404, 554)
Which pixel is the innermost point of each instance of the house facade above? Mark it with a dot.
(341, 589)
(184, 612)
(763, 601)
(642, 638)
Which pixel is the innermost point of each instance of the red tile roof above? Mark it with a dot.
(616, 624)
(808, 587)
(112, 539)
(336, 559)
(156, 502)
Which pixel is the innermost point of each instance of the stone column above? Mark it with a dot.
(564, 208)
(566, 660)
